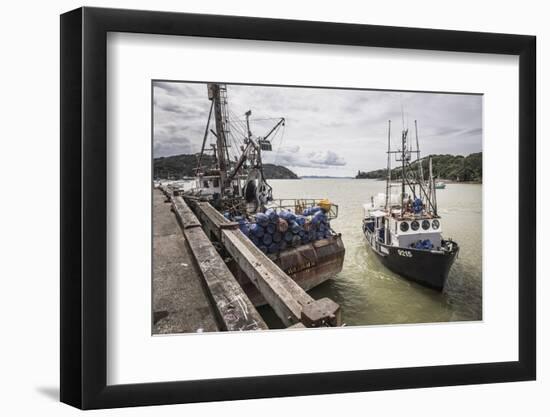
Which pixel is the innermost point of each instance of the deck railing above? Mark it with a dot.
(298, 205)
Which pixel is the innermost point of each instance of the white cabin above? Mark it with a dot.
(208, 185)
(392, 229)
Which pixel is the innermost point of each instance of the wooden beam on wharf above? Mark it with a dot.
(289, 301)
(234, 309)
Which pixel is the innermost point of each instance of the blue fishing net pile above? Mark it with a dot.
(274, 231)
(425, 244)
(417, 205)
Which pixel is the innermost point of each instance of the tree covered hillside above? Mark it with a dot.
(179, 166)
(447, 167)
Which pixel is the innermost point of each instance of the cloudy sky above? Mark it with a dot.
(328, 131)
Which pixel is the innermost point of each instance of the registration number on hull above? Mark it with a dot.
(405, 253)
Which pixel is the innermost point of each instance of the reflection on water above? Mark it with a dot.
(369, 293)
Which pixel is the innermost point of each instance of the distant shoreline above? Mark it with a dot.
(325, 178)
(443, 181)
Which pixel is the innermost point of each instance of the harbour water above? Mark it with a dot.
(369, 293)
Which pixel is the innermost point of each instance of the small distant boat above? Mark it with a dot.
(440, 185)
(404, 229)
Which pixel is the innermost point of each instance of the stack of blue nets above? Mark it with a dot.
(425, 244)
(274, 231)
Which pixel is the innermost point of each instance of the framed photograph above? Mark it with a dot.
(257, 208)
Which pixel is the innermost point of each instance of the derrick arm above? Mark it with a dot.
(251, 145)
(279, 123)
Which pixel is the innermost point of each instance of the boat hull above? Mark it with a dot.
(428, 268)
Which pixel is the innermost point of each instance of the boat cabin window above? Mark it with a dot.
(216, 183)
(205, 184)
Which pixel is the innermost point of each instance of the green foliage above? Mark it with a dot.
(447, 167)
(278, 172)
(377, 174)
(180, 166)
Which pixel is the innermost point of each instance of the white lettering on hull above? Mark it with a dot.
(405, 253)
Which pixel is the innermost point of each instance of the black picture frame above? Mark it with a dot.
(84, 223)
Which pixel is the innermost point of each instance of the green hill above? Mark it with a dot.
(179, 166)
(445, 167)
(279, 172)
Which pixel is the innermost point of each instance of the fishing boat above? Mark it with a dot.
(404, 228)
(440, 185)
(295, 233)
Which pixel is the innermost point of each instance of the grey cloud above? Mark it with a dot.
(475, 131)
(293, 156)
(169, 88)
(339, 131)
(329, 158)
(170, 107)
(174, 146)
(443, 130)
(175, 88)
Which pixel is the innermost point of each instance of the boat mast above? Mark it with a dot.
(199, 163)
(217, 93)
(403, 152)
(388, 174)
(258, 155)
(419, 162)
(248, 132)
(402, 157)
(426, 189)
(432, 189)
(420, 168)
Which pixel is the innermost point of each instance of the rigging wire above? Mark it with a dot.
(240, 130)
(280, 143)
(235, 124)
(232, 144)
(238, 123)
(241, 119)
(264, 119)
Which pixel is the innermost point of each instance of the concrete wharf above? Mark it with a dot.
(202, 228)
